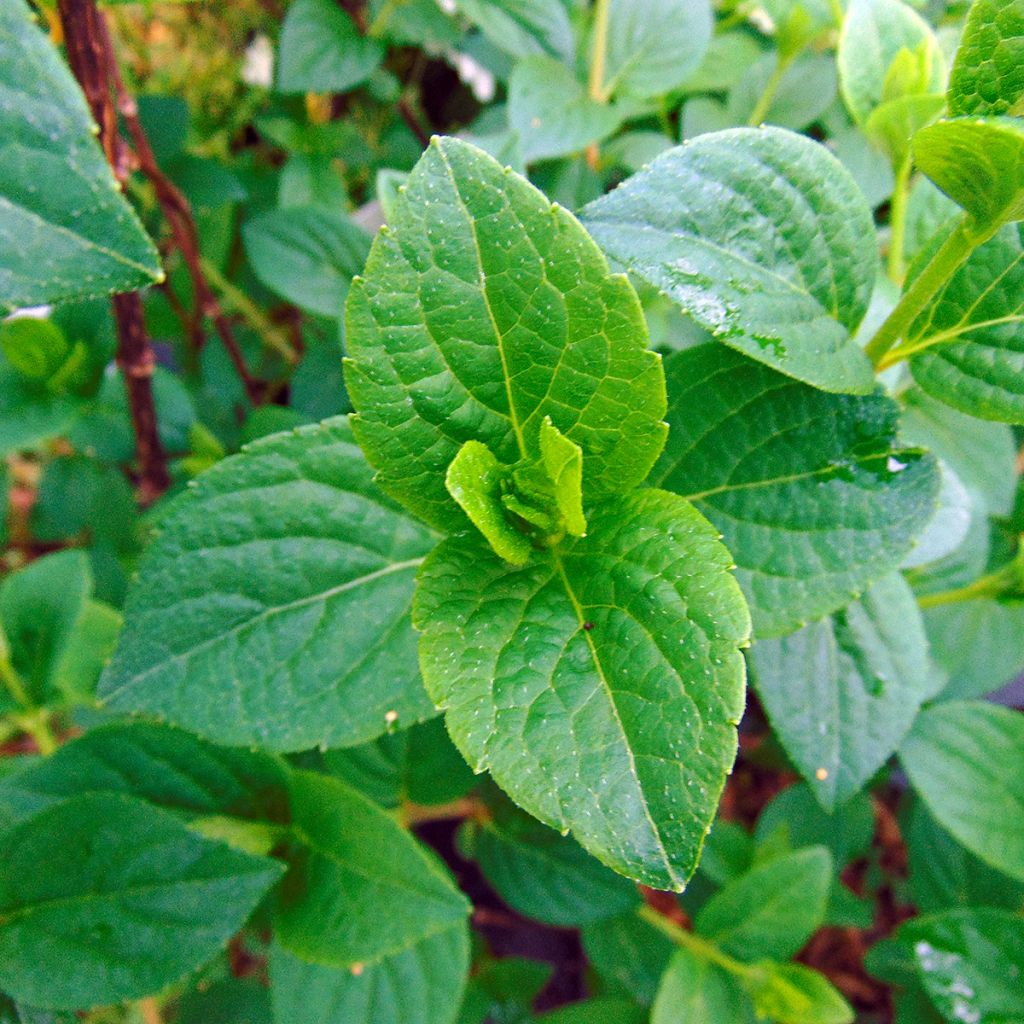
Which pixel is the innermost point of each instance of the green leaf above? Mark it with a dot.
(979, 164)
(783, 271)
(693, 991)
(227, 1001)
(322, 50)
(65, 229)
(970, 340)
(654, 46)
(485, 309)
(944, 875)
(30, 414)
(35, 348)
(421, 985)
(970, 963)
(771, 910)
(988, 73)
(629, 955)
(128, 901)
(601, 682)
(352, 859)
(552, 114)
(878, 37)
(165, 766)
(963, 758)
(39, 609)
(806, 90)
(272, 609)
(306, 255)
(547, 876)
(813, 492)
(892, 124)
(794, 994)
(842, 693)
(524, 28)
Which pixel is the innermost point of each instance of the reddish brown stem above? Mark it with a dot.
(84, 36)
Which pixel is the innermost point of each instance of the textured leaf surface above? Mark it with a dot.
(165, 766)
(815, 496)
(601, 682)
(974, 333)
(422, 985)
(979, 164)
(655, 45)
(963, 758)
(65, 230)
(988, 73)
(970, 963)
(273, 607)
(353, 859)
(322, 50)
(842, 693)
(874, 33)
(130, 900)
(485, 309)
(763, 238)
(771, 910)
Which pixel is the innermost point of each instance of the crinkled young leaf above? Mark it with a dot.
(876, 35)
(978, 163)
(694, 991)
(351, 860)
(104, 898)
(485, 309)
(970, 962)
(322, 50)
(813, 492)
(963, 758)
(65, 229)
(655, 45)
(601, 682)
(988, 73)
(763, 238)
(772, 909)
(272, 609)
(165, 766)
(421, 985)
(972, 335)
(842, 693)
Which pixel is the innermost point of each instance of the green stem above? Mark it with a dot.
(37, 725)
(599, 52)
(13, 682)
(898, 223)
(1005, 580)
(694, 943)
(771, 87)
(952, 253)
(911, 348)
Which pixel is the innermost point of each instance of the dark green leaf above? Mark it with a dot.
(782, 271)
(629, 955)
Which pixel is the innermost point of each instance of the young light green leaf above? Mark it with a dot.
(978, 163)
(881, 41)
(842, 693)
(322, 50)
(65, 230)
(306, 255)
(551, 113)
(813, 492)
(783, 271)
(421, 985)
(165, 766)
(601, 682)
(892, 125)
(485, 309)
(653, 46)
(694, 991)
(524, 28)
(970, 342)
(773, 909)
(963, 758)
(130, 901)
(970, 963)
(547, 876)
(563, 463)
(794, 994)
(350, 857)
(272, 609)
(988, 73)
